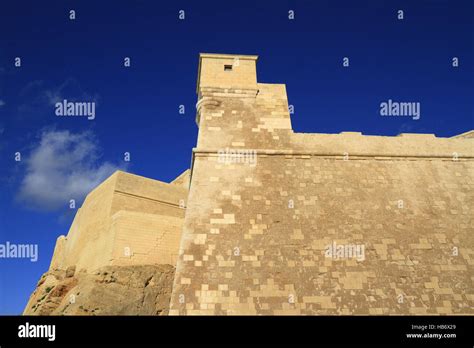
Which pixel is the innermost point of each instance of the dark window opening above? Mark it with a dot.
(227, 67)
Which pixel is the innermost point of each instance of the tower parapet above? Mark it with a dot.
(227, 71)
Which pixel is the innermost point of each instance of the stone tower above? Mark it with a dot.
(230, 81)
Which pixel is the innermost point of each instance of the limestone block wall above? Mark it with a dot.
(87, 244)
(263, 236)
(127, 220)
(143, 239)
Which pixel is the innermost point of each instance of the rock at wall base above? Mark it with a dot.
(111, 290)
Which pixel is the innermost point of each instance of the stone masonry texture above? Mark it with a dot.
(256, 230)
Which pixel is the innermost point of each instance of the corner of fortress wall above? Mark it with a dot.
(126, 220)
(256, 233)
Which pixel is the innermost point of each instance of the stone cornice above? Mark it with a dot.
(338, 155)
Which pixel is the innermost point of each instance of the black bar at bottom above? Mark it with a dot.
(314, 330)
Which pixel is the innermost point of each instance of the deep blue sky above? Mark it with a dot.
(137, 107)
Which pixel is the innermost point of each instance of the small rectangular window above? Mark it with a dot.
(227, 67)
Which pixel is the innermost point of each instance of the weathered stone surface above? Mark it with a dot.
(257, 227)
(111, 290)
(70, 271)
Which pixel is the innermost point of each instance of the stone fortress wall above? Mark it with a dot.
(127, 220)
(257, 229)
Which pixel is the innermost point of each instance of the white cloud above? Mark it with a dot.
(62, 167)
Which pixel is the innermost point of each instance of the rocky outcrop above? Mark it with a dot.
(111, 290)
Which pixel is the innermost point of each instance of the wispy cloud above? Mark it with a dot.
(2, 103)
(71, 90)
(63, 166)
(39, 96)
